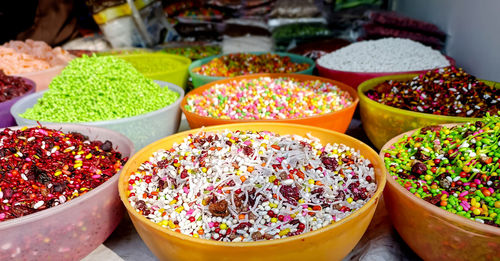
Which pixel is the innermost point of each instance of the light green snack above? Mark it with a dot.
(98, 89)
(152, 63)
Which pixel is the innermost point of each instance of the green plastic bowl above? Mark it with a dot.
(199, 80)
(382, 122)
(177, 75)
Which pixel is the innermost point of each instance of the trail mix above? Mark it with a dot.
(41, 168)
(250, 186)
(98, 89)
(244, 63)
(447, 91)
(268, 98)
(12, 86)
(454, 168)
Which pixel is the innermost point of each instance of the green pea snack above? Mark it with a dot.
(98, 89)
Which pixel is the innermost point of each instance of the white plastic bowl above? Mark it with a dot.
(141, 129)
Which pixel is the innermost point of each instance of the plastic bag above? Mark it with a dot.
(127, 23)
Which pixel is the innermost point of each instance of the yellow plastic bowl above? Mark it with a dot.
(382, 122)
(332, 242)
(434, 233)
(177, 76)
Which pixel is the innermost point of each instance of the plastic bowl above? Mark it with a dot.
(141, 129)
(337, 121)
(199, 80)
(72, 230)
(178, 76)
(332, 242)
(6, 118)
(434, 233)
(43, 78)
(354, 79)
(382, 122)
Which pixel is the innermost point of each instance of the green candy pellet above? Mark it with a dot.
(97, 89)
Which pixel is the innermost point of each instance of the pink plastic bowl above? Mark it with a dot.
(354, 79)
(43, 78)
(72, 230)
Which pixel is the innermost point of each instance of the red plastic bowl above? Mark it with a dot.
(354, 79)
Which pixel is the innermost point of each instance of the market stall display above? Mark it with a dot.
(365, 60)
(264, 171)
(222, 66)
(43, 185)
(166, 243)
(34, 60)
(161, 66)
(442, 192)
(12, 88)
(128, 102)
(293, 98)
(462, 102)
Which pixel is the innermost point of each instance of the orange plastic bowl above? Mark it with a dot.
(336, 121)
(354, 79)
(332, 242)
(434, 233)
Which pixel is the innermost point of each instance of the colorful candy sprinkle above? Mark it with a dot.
(448, 91)
(249, 186)
(455, 168)
(97, 89)
(268, 98)
(243, 63)
(41, 168)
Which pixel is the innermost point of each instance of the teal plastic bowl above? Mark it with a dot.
(199, 80)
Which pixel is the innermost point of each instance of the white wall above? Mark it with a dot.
(472, 26)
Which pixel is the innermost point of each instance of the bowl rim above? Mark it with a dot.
(171, 86)
(367, 85)
(31, 90)
(483, 228)
(61, 207)
(203, 61)
(450, 60)
(151, 225)
(300, 77)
